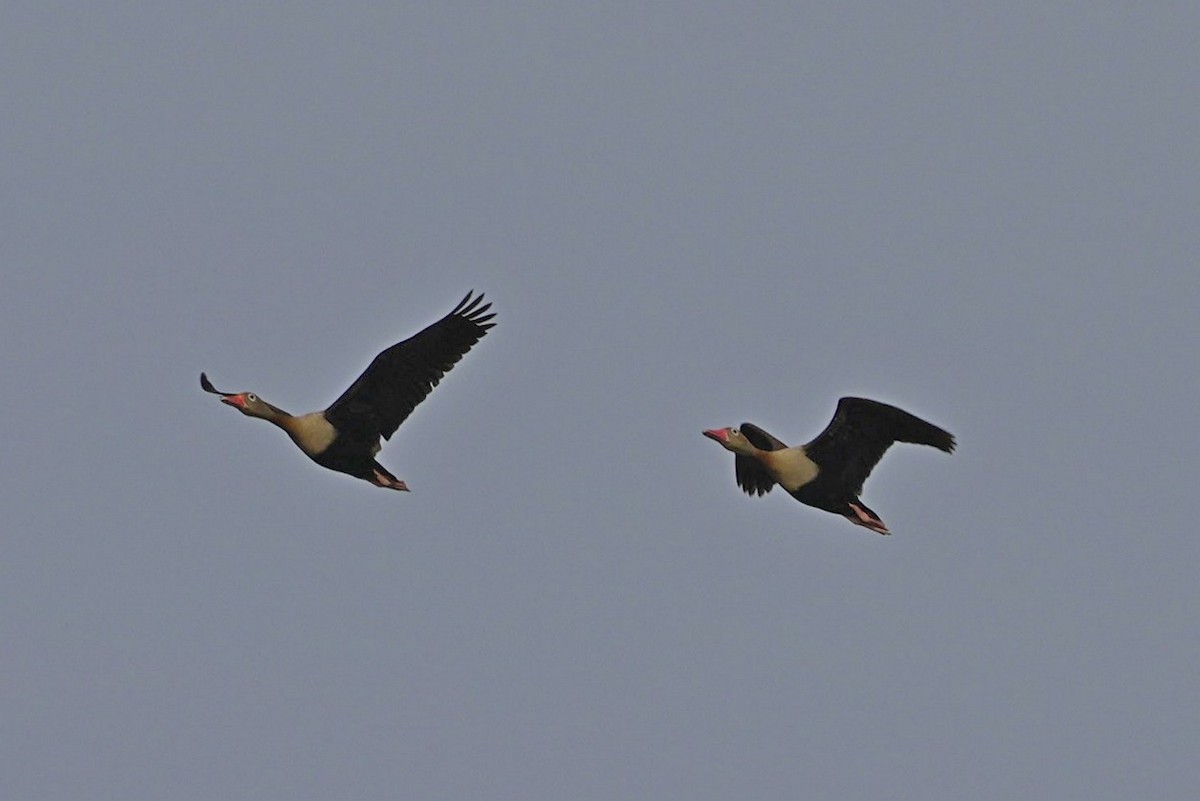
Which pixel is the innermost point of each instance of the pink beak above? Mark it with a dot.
(234, 400)
(719, 434)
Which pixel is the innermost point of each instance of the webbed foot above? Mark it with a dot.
(862, 517)
(388, 482)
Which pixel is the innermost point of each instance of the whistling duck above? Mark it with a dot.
(346, 436)
(829, 472)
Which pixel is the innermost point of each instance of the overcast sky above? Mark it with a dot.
(687, 215)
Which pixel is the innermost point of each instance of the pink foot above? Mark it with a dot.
(380, 480)
(862, 518)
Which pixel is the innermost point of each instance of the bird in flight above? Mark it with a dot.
(346, 436)
(828, 473)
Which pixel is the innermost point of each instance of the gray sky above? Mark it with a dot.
(687, 215)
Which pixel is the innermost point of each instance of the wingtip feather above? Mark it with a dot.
(462, 303)
(470, 308)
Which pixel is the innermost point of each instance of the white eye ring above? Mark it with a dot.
(734, 431)
(250, 396)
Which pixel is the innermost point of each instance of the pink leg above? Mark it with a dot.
(380, 480)
(861, 518)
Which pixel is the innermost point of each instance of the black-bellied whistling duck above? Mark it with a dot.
(346, 436)
(829, 472)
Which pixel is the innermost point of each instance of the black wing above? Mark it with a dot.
(403, 375)
(751, 475)
(207, 386)
(861, 432)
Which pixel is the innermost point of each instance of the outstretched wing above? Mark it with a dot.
(861, 432)
(207, 386)
(751, 475)
(403, 375)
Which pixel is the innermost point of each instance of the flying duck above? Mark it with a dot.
(346, 436)
(829, 472)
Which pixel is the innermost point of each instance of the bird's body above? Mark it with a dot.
(346, 436)
(828, 472)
